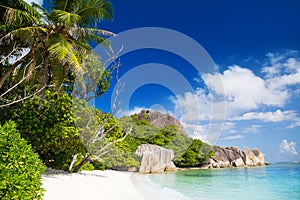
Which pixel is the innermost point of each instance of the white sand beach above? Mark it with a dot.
(108, 185)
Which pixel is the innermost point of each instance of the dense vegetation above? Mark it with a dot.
(195, 155)
(44, 95)
(20, 167)
(188, 152)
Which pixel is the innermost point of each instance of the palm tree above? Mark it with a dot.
(57, 39)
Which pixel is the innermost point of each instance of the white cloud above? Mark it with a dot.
(122, 113)
(40, 2)
(192, 106)
(233, 137)
(277, 116)
(252, 129)
(245, 91)
(229, 128)
(286, 147)
(196, 131)
(295, 123)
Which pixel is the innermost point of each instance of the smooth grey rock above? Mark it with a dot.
(155, 159)
(234, 157)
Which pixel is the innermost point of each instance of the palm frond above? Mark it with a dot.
(66, 18)
(66, 5)
(41, 8)
(29, 9)
(59, 73)
(95, 11)
(14, 16)
(101, 32)
(62, 50)
(26, 35)
(91, 34)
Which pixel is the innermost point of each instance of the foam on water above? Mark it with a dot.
(153, 191)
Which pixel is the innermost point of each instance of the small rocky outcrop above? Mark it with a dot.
(155, 159)
(234, 157)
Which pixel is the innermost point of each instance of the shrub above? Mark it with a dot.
(47, 124)
(195, 155)
(20, 167)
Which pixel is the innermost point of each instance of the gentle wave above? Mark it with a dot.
(166, 189)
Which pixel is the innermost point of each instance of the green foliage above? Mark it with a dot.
(119, 158)
(20, 167)
(143, 132)
(98, 165)
(59, 40)
(86, 166)
(196, 155)
(48, 125)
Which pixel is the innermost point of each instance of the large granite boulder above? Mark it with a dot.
(155, 159)
(259, 157)
(221, 157)
(250, 157)
(234, 157)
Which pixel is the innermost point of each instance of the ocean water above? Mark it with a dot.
(273, 182)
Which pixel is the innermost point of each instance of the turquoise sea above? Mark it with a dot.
(277, 181)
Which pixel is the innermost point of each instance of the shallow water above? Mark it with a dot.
(278, 181)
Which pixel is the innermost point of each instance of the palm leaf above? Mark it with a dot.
(91, 34)
(26, 35)
(65, 5)
(95, 11)
(66, 18)
(62, 50)
(101, 32)
(29, 9)
(59, 73)
(14, 16)
(41, 8)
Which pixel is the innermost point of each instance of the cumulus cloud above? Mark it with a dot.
(193, 106)
(286, 147)
(277, 116)
(245, 91)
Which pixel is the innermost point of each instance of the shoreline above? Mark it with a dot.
(108, 185)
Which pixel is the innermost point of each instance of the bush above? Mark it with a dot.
(47, 124)
(195, 155)
(20, 167)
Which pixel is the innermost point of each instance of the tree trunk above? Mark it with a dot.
(72, 163)
(86, 159)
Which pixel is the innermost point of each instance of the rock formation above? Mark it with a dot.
(160, 120)
(155, 159)
(234, 157)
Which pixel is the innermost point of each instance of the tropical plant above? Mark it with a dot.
(20, 167)
(48, 125)
(195, 155)
(56, 40)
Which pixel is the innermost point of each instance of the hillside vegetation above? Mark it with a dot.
(169, 134)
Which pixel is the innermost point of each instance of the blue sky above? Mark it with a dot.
(256, 48)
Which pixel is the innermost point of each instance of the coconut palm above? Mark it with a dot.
(57, 39)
